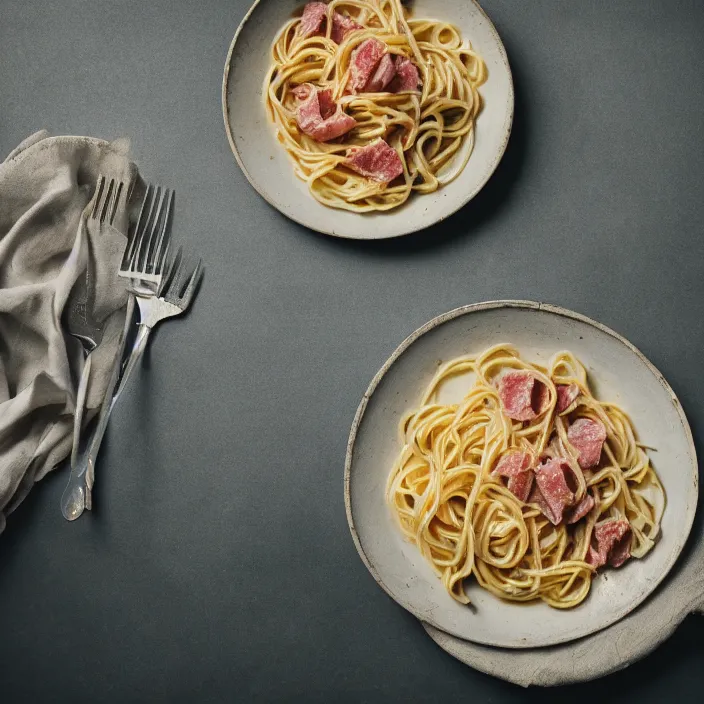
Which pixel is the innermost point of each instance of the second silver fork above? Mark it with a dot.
(175, 294)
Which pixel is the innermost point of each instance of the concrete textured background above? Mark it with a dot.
(218, 566)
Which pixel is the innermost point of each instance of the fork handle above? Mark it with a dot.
(77, 495)
(140, 344)
(88, 464)
(80, 405)
(73, 495)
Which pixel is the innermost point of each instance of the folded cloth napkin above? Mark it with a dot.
(46, 245)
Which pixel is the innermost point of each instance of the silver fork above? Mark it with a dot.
(78, 317)
(144, 263)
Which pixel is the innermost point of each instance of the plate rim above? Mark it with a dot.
(471, 194)
(438, 320)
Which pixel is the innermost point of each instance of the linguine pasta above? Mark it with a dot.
(431, 130)
(463, 518)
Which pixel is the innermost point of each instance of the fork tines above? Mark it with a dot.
(148, 245)
(177, 287)
(107, 199)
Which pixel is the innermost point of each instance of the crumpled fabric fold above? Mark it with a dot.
(47, 246)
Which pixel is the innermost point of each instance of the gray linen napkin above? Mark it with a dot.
(45, 187)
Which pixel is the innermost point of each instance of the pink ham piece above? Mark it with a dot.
(551, 481)
(516, 465)
(318, 116)
(377, 161)
(522, 396)
(587, 436)
(521, 484)
(342, 26)
(327, 104)
(535, 497)
(383, 75)
(303, 91)
(594, 558)
(541, 397)
(406, 78)
(621, 550)
(363, 63)
(613, 543)
(566, 396)
(314, 14)
(579, 511)
(513, 463)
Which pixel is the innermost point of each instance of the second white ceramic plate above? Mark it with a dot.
(266, 164)
(618, 373)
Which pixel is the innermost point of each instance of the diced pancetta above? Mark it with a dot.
(613, 543)
(523, 396)
(318, 116)
(512, 463)
(516, 465)
(363, 63)
(382, 76)
(536, 497)
(587, 436)
(327, 104)
(566, 396)
(551, 481)
(314, 14)
(578, 511)
(521, 484)
(621, 550)
(303, 91)
(377, 161)
(342, 26)
(406, 78)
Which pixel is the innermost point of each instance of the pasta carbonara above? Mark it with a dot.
(529, 483)
(372, 104)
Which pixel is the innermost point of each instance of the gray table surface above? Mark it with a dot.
(218, 566)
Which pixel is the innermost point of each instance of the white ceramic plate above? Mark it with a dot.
(618, 372)
(268, 168)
